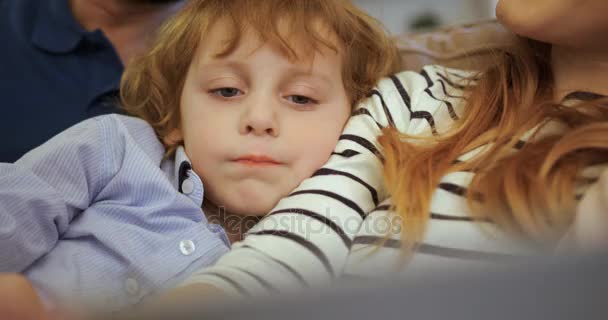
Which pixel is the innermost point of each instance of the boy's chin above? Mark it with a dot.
(245, 205)
(251, 202)
(253, 210)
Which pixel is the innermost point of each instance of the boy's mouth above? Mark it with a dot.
(257, 160)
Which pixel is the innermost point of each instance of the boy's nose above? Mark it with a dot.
(259, 119)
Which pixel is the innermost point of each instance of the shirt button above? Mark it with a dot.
(132, 286)
(187, 186)
(187, 247)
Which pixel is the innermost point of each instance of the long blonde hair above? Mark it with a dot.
(530, 192)
(152, 84)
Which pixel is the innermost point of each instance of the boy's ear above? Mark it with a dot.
(174, 137)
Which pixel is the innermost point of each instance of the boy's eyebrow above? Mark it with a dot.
(241, 68)
(303, 74)
(234, 65)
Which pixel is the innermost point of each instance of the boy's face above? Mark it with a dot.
(256, 124)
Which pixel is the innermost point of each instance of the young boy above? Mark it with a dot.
(237, 103)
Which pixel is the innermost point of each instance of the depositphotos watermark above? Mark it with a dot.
(303, 223)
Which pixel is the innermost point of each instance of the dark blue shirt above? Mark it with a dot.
(54, 73)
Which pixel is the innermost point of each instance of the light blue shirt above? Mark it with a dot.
(96, 214)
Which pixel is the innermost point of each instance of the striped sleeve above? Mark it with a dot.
(306, 238)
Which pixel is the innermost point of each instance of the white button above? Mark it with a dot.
(187, 247)
(132, 286)
(187, 186)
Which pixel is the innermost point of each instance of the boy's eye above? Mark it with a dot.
(226, 92)
(297, 99)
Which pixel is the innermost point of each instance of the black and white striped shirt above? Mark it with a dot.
(330, 225)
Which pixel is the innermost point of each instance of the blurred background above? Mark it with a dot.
(400, 16)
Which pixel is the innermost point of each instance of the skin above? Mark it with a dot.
(576, 30)
(256, 101)
(126, 23)
(267, 114)
(575, 23)
(18, 300)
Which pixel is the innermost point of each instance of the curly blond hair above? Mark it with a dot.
(152, 83)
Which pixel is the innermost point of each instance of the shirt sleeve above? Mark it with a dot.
(305, 240)
(44, 190)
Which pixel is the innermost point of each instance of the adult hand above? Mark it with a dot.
(19, 300)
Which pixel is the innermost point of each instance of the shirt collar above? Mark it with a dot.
(185, 180)
(55, 28)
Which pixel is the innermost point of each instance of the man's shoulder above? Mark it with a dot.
(15, 5)
(18, 10)
(14, 16)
